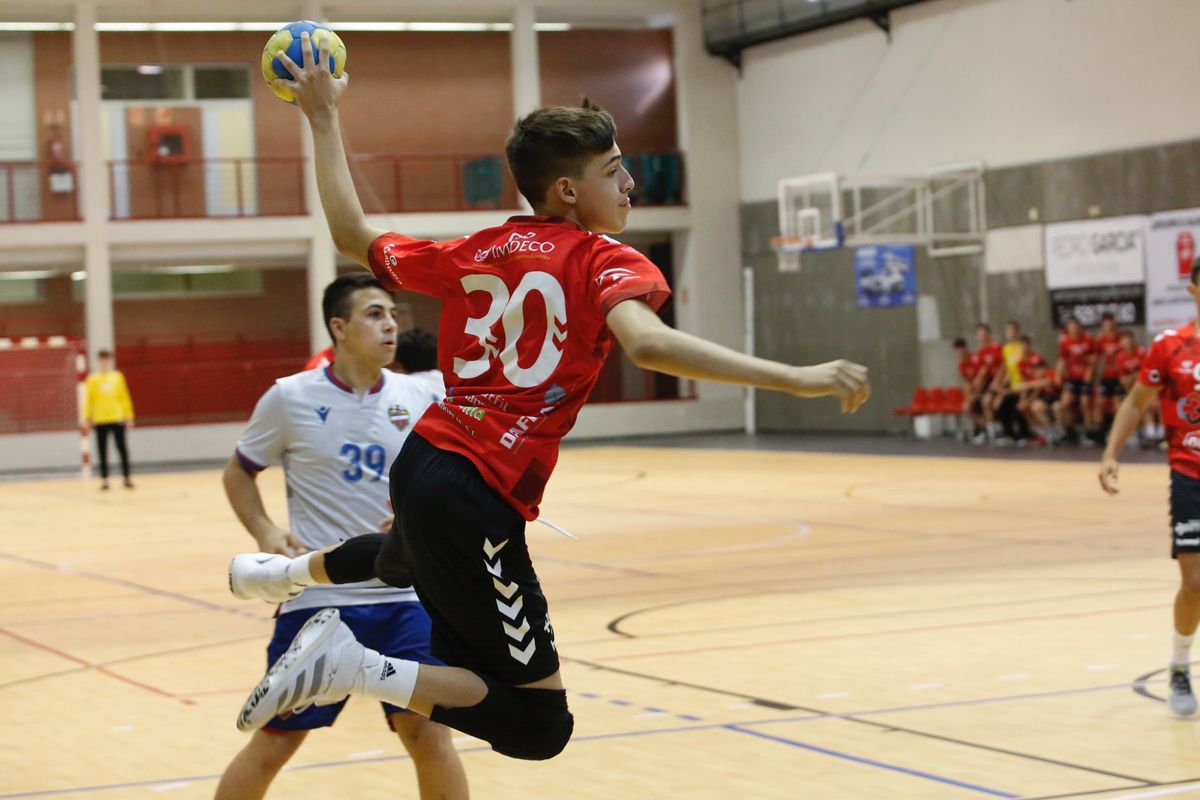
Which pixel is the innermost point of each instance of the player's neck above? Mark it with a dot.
(358, 376)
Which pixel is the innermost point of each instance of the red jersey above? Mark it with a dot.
(1106, 349)
(321, 359)
(1173, 365)
(968, 367)
(522, 337)
(1130, 363)
(1032, 366)
(991, 359)
(1076, 355)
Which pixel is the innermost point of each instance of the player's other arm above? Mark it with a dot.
(241, 488)
(654, 345)
(1140, 398)
(317, 93)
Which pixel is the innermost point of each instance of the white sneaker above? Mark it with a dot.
(324, 649)
(262, 575)
(1180, 699)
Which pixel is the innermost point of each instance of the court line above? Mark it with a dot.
(1192, 781)
(872, 762)
(615, 625)
(96, 667)
(922, 629)
(484, 748)
(141, 587)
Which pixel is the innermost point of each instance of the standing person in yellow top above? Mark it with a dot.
(1006, 388)
(108, 410)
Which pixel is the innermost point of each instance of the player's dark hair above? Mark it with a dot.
(1014, 323)
(983, 326)
(104, 354)
(1026, 340)
(337, 300)
(960, 342)
(416, 350)
(555, 142)
(1107, 315)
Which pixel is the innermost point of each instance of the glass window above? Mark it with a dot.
(143, 82)
(221, 83)
(21, 290)
(176, 282)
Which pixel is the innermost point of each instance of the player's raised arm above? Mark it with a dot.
(317, 93)
(654, 345)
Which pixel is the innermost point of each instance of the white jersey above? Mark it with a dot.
(336, 448)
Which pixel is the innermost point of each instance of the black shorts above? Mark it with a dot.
(1185, 514)
(1110, 387)
(465, 547)
(1077, 388)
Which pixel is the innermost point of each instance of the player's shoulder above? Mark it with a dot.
(1179, 335)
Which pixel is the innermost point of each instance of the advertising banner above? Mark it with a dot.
(885, 275)
(1098, 252)
(1170, 250)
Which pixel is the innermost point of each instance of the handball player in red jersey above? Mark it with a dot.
(1075, 361)
(1170, 376)
(529, 311)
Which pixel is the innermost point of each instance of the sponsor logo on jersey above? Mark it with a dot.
(554, 395)
(472, 411)
(1188, 408)
(1191, 441)
(514, 434)
(1191, 526)
(323, 413)
(616, 275)
(1154, 376)
(399, 416)
(517, 243)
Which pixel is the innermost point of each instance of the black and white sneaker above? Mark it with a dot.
(319, 668)
(263, 576)
(1180, 699)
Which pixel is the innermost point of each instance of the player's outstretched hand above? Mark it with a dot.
(314, 86)
(842, 379)
(1109, 481)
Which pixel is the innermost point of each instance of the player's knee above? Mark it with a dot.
(546, 730)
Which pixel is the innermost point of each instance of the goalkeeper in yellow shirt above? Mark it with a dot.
(107, 409)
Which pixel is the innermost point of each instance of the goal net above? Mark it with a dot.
(41, 379)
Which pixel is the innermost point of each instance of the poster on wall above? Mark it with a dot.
(885, 275)
(1097, 252)
(1127, 304)
(1170, 249)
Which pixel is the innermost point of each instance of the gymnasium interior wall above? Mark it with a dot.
(1056, 97)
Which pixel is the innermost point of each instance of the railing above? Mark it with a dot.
(213, 187)
(38, 191)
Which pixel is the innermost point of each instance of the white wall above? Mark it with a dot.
(1005, 81)
(18, 122)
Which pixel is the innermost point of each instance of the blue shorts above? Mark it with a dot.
(394, 629)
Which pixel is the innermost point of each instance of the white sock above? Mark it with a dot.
(389, 679)
(297, 570)
(1181, 650)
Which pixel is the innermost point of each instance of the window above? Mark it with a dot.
(175, 82)
(221, 83)
(21, 289)
(180, 282)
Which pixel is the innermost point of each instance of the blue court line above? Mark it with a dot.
(870, 762)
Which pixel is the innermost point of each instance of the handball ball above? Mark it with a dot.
(287, 40)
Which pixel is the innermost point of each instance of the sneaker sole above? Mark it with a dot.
(269, 698)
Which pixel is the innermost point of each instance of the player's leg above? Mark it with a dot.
(1185, 547)
(123, 452)
(471, 568)
(253, 769)
(440, 773)
(102, 453)
(402, 630)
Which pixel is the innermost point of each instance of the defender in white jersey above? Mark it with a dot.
(336, 431)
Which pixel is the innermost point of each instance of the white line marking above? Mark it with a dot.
(833, 695)
(921, 687)
(1100, 667)
(1192, 787)
(170, 787)
(368, 754)
(1014, 676)
(739, 706)
(650, 715)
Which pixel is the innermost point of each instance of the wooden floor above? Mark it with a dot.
(734, 624)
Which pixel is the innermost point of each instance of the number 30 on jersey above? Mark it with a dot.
(510, 311)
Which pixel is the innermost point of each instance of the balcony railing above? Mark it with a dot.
(210, 187)
(38, 191)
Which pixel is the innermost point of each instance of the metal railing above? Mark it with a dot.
(267, 186)
(38, 191)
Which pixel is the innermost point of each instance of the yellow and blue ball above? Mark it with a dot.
(287, 40)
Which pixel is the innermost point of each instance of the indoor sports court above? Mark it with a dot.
(753, 595)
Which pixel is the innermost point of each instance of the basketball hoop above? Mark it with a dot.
(788, 250)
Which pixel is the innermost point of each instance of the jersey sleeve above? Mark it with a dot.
(619, 272)
(265, 438)
(401, 262)
(1154, 365)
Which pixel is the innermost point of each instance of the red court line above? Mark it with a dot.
(97, 667)
(861, 634)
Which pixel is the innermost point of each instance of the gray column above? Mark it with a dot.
(93, 180)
